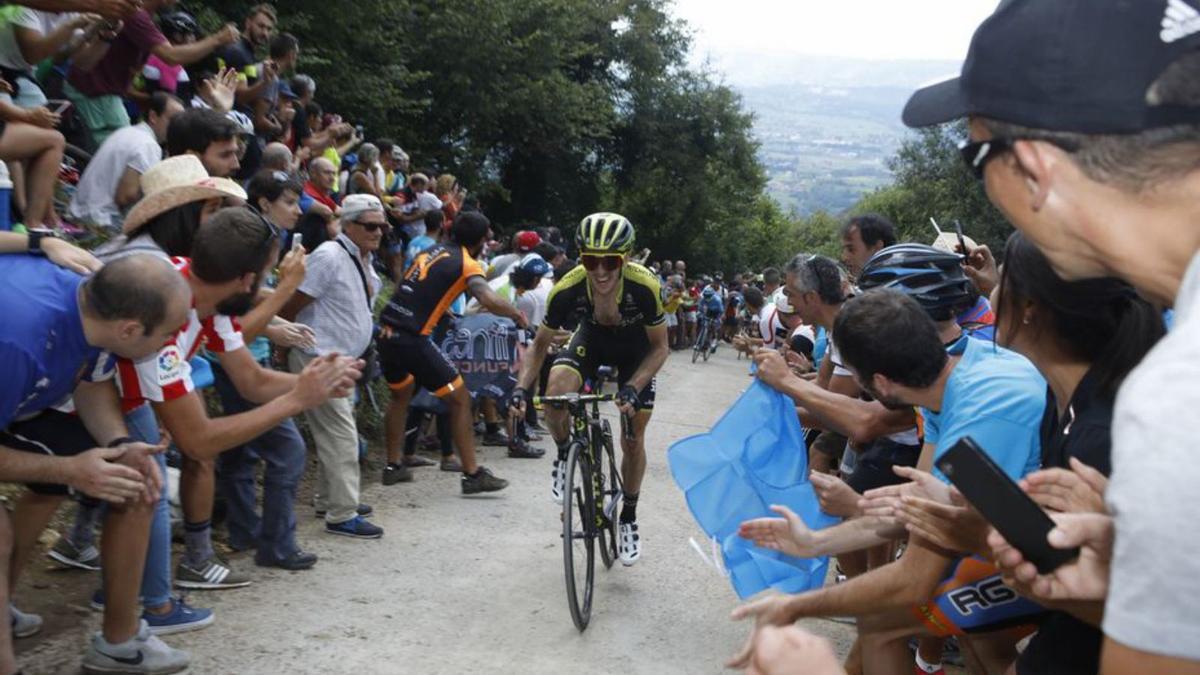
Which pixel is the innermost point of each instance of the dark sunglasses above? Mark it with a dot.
(608, 262)
(976, 154)
(370, 227)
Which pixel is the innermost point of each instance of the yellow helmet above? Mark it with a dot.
(605, 233)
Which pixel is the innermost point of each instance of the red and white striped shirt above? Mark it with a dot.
(166, 376)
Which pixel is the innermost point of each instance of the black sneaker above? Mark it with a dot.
(521, 449)
(483, 481)
(396, 473)
(497, 439)
(300, 560)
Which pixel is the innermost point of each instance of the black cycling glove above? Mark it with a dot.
(629, 394)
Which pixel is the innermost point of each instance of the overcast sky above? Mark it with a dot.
(871, 29)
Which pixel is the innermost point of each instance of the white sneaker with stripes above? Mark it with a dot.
(214, 574)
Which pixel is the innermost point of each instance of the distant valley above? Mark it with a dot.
(827, 126)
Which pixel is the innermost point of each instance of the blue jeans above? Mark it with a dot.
(283, 450)
(156, 577)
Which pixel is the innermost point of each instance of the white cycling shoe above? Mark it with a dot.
(629, 543)
(559, 477)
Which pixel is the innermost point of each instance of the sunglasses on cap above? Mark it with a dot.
(608, 262)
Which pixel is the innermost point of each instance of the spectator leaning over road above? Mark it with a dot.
(862, 237)
(231, 253)
(209, 135)
(1102, 177)
(336, 299)
(129, 309)
(1084, 337)
(893, 351)
(111, 182)
(97, 92)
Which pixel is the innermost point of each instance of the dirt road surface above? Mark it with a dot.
(462, 585)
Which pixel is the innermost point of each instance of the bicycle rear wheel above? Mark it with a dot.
(609, 491)
(579, 535)
(696, 348)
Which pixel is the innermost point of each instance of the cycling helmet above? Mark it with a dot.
(935, 279)
(530, 270)
(179, 23)
(604, 233)
(708, 293)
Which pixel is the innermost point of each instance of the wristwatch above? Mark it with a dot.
(35, 240)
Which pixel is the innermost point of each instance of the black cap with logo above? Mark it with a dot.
(1081, 66)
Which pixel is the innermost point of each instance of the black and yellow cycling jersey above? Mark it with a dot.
(639, 304)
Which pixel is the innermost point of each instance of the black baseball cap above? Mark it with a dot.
(1081, 66)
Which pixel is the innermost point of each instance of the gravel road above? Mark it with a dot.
(464, 584)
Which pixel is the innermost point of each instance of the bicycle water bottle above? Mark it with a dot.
(6, 188)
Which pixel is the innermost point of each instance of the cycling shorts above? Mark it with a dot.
(405, 357)
(53, 433)
(974, 599)
(874, 467)
(587, 351)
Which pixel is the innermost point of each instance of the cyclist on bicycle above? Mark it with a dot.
(711, 310)
(620, 324)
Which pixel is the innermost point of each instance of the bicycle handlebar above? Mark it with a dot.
(576, 398)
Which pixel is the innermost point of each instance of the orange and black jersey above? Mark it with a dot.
(639, 303)
(436, 277)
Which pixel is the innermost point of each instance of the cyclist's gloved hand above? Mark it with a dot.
(628, 396)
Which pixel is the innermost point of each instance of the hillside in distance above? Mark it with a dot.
(827, 125)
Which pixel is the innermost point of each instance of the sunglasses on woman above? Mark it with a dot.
(608, 262)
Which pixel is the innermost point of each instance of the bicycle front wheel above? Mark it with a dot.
(608, 492)
(698, 347)
(579, 535)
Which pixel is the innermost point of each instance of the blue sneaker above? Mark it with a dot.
(357, 527)
(180, 619)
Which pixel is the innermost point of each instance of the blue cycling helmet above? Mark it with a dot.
(934, 278)
(530, 271)
(708, 293)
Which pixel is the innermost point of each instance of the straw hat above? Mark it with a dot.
(174, 182)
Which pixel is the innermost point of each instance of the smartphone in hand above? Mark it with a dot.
(1004, 504)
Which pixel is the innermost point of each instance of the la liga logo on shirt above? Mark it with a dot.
(170, 364)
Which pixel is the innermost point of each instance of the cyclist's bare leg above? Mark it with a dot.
(563, 380)
(633, 454)
(395, 421)
(462, 428)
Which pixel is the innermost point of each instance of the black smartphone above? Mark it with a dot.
(1005, 505)
(962, 243)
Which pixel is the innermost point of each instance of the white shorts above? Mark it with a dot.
(691, 317)
(672, 321)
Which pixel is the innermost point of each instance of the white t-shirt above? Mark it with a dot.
(132, 147)
(35, 20)
(1155, 578)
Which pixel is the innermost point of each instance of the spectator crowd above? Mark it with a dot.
(243, 241)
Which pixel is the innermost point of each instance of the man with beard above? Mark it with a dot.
(230, 255)
(892, 349)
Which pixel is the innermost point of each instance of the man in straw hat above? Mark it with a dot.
(55, 341)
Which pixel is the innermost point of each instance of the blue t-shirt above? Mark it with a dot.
(42, 345)
(996, 397)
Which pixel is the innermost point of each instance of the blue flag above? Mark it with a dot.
(754, 457)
